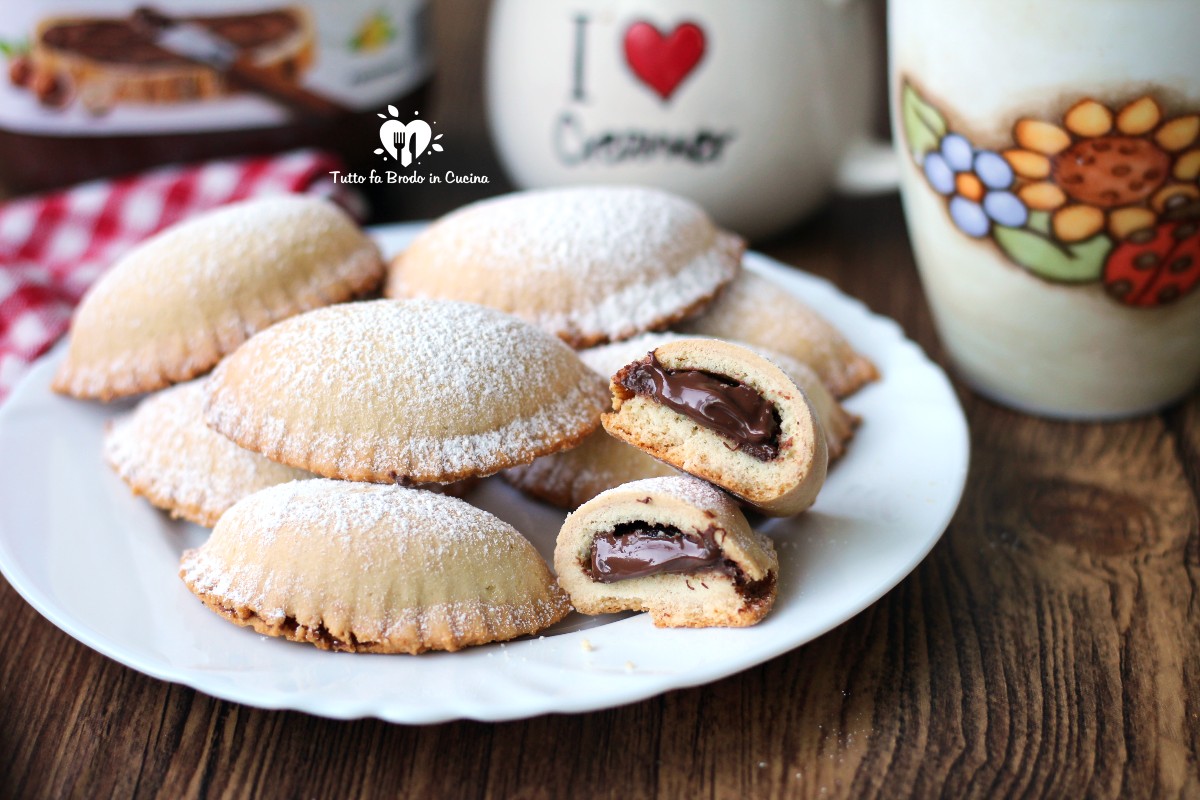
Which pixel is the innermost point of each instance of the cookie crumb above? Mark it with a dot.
(586, 645)
(630, 666)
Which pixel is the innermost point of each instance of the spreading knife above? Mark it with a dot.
(198, 45)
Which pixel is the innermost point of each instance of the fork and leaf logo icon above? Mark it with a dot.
(405, 142)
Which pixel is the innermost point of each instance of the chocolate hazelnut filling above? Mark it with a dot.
(124, 41)
(638, 549)
(719, 403)
(754, 591)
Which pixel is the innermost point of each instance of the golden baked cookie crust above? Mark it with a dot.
(759, 312)
(783, 485)
(165, 452)
(569, 478)
(709, 597)
(404, 391)
(172, 307)
(589, 264)
(368, 568)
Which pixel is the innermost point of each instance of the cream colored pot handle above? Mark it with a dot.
(869, 167)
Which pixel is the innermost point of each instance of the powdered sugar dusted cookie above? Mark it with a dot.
(589, 264)
(723, 413)
(165, 452)
(759, 312)
(676, 547)
(171, 308)
(372, 569)
(572, 477)
(404, 391)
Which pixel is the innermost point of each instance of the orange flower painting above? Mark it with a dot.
(1106, 193)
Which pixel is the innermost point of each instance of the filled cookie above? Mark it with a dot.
(756, 310)
(404, 391)
(723, 413)
(172, 307)
(589, 264)
(837, 423)
(676, 547)
(372, 569)
(166, 453)
(572, 477)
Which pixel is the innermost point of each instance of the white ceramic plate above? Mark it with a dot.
(101, 564)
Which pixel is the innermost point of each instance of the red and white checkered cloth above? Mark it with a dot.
(53, 246)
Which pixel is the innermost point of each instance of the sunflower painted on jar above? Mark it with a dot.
(1105, 170)
(1110, 197)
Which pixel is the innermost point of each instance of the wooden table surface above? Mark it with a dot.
(1049, 646)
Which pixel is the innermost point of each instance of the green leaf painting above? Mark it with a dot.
(14, 47)
(924, 125)
(989, 191)
(1034, 249)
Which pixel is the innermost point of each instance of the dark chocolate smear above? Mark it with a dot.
(714, 401)
(132, 41)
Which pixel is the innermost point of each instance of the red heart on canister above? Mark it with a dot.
(662, 62)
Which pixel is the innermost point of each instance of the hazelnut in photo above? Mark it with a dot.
(52, 89)
(20, 71)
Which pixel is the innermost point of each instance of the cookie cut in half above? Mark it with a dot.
(676, 547)
(169, 309)
(572, 477)
(372, 569)
(756, 310)
(589, 264)
(838, 423)
(723, 413)
(165, 452)
(404, 391)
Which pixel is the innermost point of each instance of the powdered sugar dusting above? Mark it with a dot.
(370, 516)
(584, 263)
(608, 359)
(164, 450)
(755, 309)
(600, 233)
(372, 562)
(429, 390)
(692, 491)
(233, 244)
(171, 307)
(640, 306)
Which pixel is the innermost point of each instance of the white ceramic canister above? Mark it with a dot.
(747, 108)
